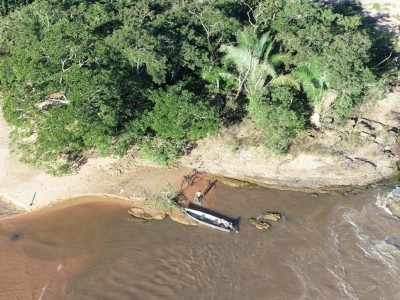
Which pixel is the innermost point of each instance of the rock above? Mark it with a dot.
(178, 216)
(140, 213)
(273, 216)
(314, 195)
(364, 134)
(386, 139)
(379, 127)
(329, 120)
(395, 209)
(315, 120)
(259, 224)
(395, 149)
(352, 122)
(391, 140)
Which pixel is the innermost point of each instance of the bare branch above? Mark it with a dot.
(82, 62)
(208, 32)
(383, 60)
(249, 12)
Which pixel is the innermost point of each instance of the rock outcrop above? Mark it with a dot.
(364, 151)
(154, 209)
(273, 216)
(261, 222)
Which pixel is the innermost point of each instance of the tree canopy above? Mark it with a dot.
(107, 75)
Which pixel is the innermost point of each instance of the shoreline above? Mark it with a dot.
(132, 178)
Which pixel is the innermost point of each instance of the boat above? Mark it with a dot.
(209, 220)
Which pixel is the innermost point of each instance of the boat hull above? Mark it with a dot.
(209, 220)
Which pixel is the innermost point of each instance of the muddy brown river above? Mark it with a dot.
(326, 247)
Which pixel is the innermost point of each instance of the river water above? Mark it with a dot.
(326, 247)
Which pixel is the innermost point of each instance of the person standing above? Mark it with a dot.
(198, 197)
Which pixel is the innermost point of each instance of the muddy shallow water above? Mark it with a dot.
(326, 247)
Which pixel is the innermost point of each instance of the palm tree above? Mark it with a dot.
(255, 65)
(315, 86)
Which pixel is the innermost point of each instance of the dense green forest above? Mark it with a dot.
(157, 74)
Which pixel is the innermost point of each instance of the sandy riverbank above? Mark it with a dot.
(135, 179)
(129, 178)
(370, 161)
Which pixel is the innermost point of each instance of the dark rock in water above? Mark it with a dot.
(259, 223)
(16, 236)
(314, 195)
(273, 216)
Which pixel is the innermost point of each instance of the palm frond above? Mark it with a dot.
(254, 77)
(314, 66)
(263, 45)
(279, 58)
(267, 69)
(247, 39)
(240, 57)
(259, 74)
(303, 75)
(285, 80)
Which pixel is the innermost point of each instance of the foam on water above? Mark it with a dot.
(303, 280)
(388, 254)
(371, 229)
(383, 201)
(338, 271)
(346, 288)
(349, 217)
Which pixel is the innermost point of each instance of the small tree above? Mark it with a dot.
(177, 118)
(278, 117)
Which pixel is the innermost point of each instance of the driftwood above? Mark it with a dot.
(34, 195)
(187, 182)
